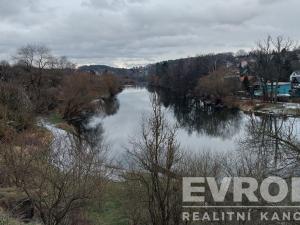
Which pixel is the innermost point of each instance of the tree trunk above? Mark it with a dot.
(276, 91)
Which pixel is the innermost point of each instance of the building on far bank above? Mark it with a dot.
(295, 83)
(283, 89)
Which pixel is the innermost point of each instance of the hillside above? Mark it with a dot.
(100, 69)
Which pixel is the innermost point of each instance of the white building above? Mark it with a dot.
(295, 79)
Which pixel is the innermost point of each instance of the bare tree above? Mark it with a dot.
(282, 47)
(271, 56)
(216, 84)
(35, 58)
(60, 63)
(154, 158)
(57, 178)
(42, 56)
(64, 63)
(79, 90)
(263, 67)
(5, 71)
(25, 56)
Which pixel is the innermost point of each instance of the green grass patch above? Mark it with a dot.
(109, 211)
(55, 118)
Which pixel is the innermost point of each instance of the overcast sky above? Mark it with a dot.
(136, 32)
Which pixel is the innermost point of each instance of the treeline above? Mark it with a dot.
(181, 75)
(39, 82)
(273, 60)
(135, 75)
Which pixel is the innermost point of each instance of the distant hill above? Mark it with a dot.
(100, 69)
(128, 76)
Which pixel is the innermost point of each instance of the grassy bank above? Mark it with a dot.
(6, 220)
(109, 210)
(260, 107)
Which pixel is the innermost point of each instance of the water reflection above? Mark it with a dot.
(94, 134)
(110, 106)
(274, 143)
(200, 128)
(194, 116)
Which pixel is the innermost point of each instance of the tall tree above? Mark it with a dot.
(272, 56)
(155, 156)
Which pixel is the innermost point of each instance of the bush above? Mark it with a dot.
(79, 90)
(218, 84)
(15, 107)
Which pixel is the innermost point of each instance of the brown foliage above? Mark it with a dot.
(15, 108)
(110, 84)
(218, 84)
(79, 90)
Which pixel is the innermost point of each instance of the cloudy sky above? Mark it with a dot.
(136, 32)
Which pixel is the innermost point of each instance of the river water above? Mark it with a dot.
(199, 129)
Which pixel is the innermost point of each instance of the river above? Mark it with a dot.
(199, 130)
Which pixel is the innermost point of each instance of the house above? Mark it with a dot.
(295, 79)
(284, 89)
(244, 64)
(295, 83)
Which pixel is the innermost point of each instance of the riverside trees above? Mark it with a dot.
(79, 90)
(217, 84)
(58, 181)
(273, 63)
(49, 81)
(154, 158)
(181, 76)
(40, 73)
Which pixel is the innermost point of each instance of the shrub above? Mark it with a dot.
(15, 107)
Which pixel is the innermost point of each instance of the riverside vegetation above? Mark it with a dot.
(62, 180)
(38, 182)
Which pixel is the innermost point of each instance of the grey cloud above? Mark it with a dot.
(106, 4)
(112, 4)
(11, 8)
(272, 1)
(128, 32)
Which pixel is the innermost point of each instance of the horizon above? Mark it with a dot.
(128, 33)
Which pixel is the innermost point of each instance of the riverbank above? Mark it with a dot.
(247, 105)
(260, 107)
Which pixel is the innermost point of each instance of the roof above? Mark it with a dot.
(295, 75)
(297, 72)
(279, 83)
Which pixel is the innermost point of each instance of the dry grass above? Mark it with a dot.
(6, 220)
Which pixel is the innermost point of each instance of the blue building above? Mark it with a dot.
(284, 89)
